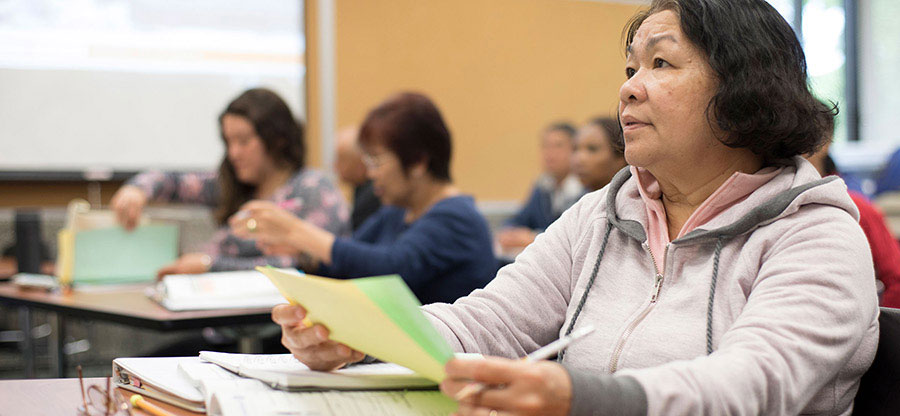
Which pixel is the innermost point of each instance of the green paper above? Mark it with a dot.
(113, 255)
(393, 296)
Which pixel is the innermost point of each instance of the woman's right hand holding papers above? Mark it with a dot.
(310, 344)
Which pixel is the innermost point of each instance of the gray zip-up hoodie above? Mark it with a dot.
(769, 308)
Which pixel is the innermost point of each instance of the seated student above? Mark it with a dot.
(599, 153)
(351, 170)
(428, 232)
(264, 159)
(553, 192)
(885, 250)
(721, 273)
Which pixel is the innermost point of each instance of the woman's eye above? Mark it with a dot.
(659, 63)
(629, 72)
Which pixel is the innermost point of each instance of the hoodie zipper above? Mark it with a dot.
(654, 296)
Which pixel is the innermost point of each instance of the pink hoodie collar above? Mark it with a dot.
(733, 190)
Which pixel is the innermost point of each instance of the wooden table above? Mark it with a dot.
(58, 396)
(125, 305)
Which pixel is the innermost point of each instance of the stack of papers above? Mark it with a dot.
(221, 290)
(201, 386)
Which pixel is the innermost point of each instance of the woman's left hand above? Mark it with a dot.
(515, 387)
(190, 263)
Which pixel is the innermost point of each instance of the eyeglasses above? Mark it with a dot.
(97, 401)
(374, 161)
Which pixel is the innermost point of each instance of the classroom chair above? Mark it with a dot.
(879, 390)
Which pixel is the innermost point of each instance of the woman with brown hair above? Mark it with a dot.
(265, 159)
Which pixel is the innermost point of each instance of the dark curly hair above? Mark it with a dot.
(281, 134)
(763, 102)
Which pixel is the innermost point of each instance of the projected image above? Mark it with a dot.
(212, 36)
(129, 85)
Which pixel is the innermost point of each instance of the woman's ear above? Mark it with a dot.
(419, 169)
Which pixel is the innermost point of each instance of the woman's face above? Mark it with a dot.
(595, 161)
(391, 183)
(662, 104)
(245, 150)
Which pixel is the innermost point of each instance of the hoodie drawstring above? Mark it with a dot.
(712, 295)
(587, 289)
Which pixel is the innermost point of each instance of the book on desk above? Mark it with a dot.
(216, 290)
(216, 382)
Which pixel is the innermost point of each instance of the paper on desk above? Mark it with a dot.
(217, 290)
(256, 399)
(283, 371)
(113, 255)
(379, 316)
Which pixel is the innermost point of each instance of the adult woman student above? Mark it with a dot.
(429, 233)
(722, 274)
(264, 159)
(599, 152)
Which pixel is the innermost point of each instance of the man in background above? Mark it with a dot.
(352, 170)
(553, 192)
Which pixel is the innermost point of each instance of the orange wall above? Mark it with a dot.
(499, 70)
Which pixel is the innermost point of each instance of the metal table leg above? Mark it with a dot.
(58, 344)
(27, 343)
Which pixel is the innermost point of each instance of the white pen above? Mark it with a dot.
(544, 352)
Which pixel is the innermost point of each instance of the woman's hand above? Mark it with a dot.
(310, 345)
(277, 231)
(191, 263)
(515, 387)
(127, 203)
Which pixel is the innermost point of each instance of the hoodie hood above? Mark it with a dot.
(797, 185)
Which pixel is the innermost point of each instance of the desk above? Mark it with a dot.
(59, 396)
(129, 306)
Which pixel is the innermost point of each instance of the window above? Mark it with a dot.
(822, 33)
(879, 60)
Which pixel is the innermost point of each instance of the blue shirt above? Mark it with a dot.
(540, 210)
(442, 256)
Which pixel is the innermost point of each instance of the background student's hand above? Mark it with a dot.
(190, 263)
(265, 222)
(515, 387)
(127, 203)
(278, 232)
(516, 237)
(310, 345)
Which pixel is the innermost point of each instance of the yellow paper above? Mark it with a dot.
(354, 320)
(64, 260)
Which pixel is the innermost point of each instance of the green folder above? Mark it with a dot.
(114, 255)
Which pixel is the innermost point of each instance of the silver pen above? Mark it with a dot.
(544, 352)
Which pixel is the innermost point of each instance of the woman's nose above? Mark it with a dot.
(632, 89)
